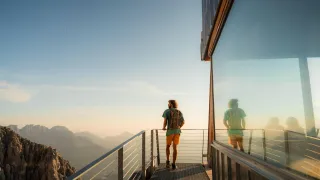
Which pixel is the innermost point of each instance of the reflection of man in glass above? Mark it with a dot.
(293, 125)
(274, 124)
(235, 123)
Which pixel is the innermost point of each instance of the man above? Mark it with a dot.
(274, 124)
(173, 121)
(235, 123)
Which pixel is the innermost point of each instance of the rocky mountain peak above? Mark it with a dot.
(23, 159)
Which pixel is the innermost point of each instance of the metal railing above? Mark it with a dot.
(191, 149)
(282, 148)
(129, 160)
(137, 157)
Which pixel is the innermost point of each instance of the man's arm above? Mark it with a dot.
(182, 123)
(225, 118)
(164, 124)
(243, 123)
(225, 124)
(243, 120)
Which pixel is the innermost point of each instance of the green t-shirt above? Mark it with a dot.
(166, 114)
(233, 117)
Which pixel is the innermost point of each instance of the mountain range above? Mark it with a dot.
(108, 142)
(79, 148)
(21, 159)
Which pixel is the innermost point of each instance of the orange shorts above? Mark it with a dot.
(235, 139)
(173, 137)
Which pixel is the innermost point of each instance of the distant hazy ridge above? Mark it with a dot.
(79, 148)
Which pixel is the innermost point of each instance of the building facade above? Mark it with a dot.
(266, 54)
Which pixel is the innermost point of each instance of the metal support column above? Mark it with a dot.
(307, 97)
(211, 123)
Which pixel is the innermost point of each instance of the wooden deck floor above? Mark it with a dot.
(184, 172)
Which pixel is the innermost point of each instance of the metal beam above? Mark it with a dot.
(211, 123)
(307, 97)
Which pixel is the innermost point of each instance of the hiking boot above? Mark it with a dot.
(174, 166)
(168, 164)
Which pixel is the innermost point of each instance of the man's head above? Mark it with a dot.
(233, 103)
(274, 121)
(172, 104)
(292, 122)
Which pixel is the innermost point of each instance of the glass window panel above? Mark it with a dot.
(314, 69)
(259, 60)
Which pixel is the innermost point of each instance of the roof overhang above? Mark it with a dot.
(214, 15)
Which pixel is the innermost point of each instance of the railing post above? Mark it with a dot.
(286, 148)
(264, 145)
(250, 142)
(214, 164)
(202, 145)
(151, 151)
(158, 150)
(120, 164)
(249, 151)
(238, 171)
(143, 166)
(218, 164)
(229, 168)
(222, 166)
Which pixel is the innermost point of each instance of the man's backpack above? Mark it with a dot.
(175, 115)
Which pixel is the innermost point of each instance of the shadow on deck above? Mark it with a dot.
(184, 171)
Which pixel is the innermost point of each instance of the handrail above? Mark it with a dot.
(264, 169)
(96, 162)
(317, 130)
(286, 153)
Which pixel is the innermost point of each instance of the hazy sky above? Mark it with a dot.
(102, 66)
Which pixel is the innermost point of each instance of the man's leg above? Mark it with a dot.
(176, 141)
(175, 153)
(168, 152)
(169, 141)
(240, 143)
(233, 141)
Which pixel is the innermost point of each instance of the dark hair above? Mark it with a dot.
(174, 103)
